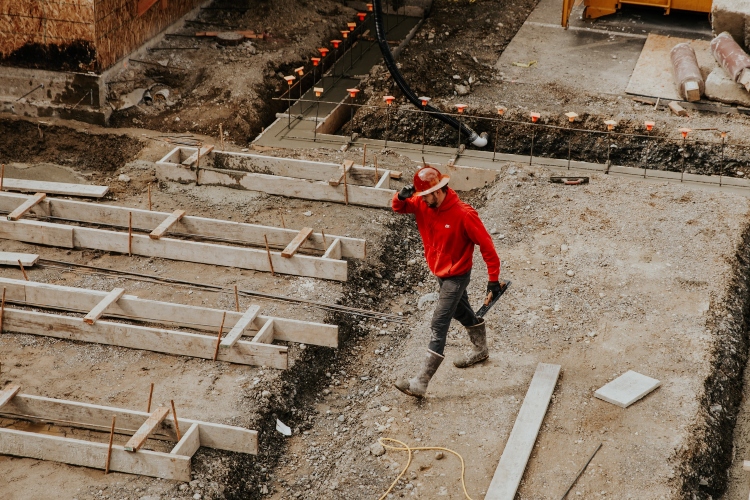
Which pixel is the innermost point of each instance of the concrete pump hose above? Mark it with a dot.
(476, 139)
(687, 73)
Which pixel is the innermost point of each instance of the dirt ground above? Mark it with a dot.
(615, 275)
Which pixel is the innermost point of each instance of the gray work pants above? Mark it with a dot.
(453, 302)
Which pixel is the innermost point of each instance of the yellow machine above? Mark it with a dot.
(598, 8)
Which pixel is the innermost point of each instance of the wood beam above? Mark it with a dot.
(194, 157)
(239, 328)
(7, 393)
(385, 181)
(265, 334)
(12, 258)
(97, 417)
(170, 221)
(297, 242)
(141, 337)
(343, 170)
(107, 301)
(189, 444)
(251, 234)
(333, 251)
(523, 436)
(144, 431)
(62, 188)
(129, 307)
(26, 206)
(90, 454)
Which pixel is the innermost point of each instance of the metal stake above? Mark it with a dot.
(721, 165)
(423, 131)
(531, 154)
(494, 145)
(682, 175)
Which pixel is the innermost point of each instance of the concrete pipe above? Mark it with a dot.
(687, 73)
(732, 58)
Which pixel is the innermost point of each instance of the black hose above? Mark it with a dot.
(399, 79)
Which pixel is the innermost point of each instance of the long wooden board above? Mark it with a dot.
(250, 234)
(61, 188)
(141, 337)
(91, 454)
(7, 393)
(296, 243)
(27, 205)
(132, 308)
(174, 249)
(523, 436)
(12, 258)
(189, 442)
(170, 221)
(97, 417)
(144, 431)
(107, 301)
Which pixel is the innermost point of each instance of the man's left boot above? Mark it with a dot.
(417, 386)
(479, 353)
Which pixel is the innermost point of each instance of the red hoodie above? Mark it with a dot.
(449, 234)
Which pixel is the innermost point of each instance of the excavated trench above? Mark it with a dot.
(587, 144)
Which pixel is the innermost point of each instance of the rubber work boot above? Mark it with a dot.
(478, 336)
(417, 386)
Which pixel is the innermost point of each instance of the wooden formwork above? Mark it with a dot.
(327, 266)
(174, 465)
(281, 176)
(262, 330)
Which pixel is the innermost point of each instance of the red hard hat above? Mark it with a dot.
(429, 179)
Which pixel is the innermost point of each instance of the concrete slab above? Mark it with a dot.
(653, 76)
(627, 389)
(719, 87)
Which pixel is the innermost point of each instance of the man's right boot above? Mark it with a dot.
(478, 336)
(417, 386)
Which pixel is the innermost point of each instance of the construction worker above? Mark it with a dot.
(449, 228)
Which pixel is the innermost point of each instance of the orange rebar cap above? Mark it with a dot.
(428, 180)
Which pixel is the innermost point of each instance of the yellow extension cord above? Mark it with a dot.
(406, 447)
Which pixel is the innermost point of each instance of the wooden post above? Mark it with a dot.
(2, 311)
(23, 270)
(268, 251)
(236, 299)
(283, 224)
(364, 155)
(176, 425)
(377, 178)
(149, 196)
(130, 233)
(150, 395)
(346, 189)
(109, 449)
(221, 136)
(218, 337)
(324, 238)
(2, 176)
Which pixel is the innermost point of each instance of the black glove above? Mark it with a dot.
(494, 289)
(406, 192)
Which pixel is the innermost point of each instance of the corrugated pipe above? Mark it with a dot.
(477, 140)
(687, 73)
(732, 58)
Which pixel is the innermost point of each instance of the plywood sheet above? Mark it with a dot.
(653, 76)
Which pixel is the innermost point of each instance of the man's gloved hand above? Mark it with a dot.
(494, 289)
(406, 192)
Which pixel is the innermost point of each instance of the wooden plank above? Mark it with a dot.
(141, 337)
(190, 442)
(39, 233)
(251, 234)
(239, 328)
(132, 308)
(152, 422)
(8, 392)
(297, 242)
(61, 188)
(89, 454)
(265, 334)
(333, 251)
(203, 152)
(26, 206)
(170, 221)
(385, 181)
(97, 417)
(12, 258)
(343, 170)
(209, 253)
(297, 188)
(523, 436)
(107, 301)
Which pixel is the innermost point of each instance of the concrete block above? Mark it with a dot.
(719, 87)
(627, 389)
